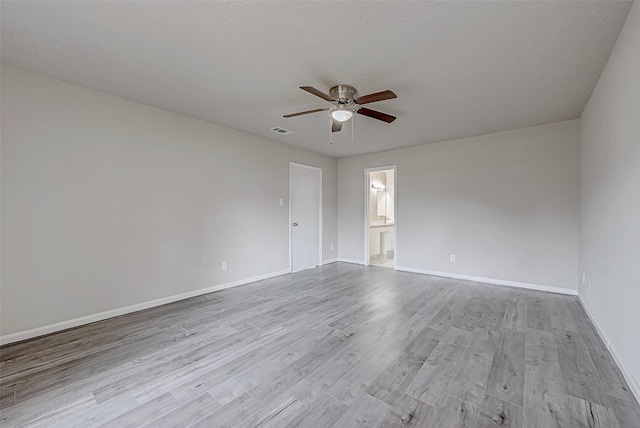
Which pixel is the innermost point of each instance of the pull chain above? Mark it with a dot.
(331, 130)
(352, 130)
(353, 118)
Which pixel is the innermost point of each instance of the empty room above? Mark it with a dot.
(320, 214)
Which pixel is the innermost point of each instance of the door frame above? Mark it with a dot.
(300, 165)
(367, 193)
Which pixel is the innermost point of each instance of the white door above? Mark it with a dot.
(305, 201)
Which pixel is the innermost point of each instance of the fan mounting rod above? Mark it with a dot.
(343, 93)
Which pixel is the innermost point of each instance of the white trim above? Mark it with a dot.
(329, 261)
(64, 325)
(631, 381)
(300, 165)
(290, 252)
(558, 290)
(367, 194)
(352, 261)
(593, 321)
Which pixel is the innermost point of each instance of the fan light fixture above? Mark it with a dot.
(344, 103)
(341, 115)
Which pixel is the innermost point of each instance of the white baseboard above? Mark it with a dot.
(355, 262)
(633, 383)
(329, 261)
(538, 287)
(52, 328)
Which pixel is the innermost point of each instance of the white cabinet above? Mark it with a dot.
(374, 241)
(387, 239)
(381, 240)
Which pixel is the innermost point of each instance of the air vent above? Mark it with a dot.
(282, 131)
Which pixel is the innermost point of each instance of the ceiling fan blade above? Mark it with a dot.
(300, 113)
(317, 93)
(336, 126)
(377, 115)
(378, 96)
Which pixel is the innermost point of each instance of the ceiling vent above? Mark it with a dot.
(282, 131)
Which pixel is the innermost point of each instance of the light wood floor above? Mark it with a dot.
(341, 345)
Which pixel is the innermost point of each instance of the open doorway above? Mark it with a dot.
(380, 236)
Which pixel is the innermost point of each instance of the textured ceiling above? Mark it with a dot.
(459, 68)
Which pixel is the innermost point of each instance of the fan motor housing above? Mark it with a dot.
(342, 93)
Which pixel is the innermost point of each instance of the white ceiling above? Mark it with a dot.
(459, 68)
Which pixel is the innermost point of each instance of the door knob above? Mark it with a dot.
(295, 224)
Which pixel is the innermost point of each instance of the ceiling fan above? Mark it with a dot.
(346, 102)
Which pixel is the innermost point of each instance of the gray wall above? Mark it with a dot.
(505, 204)
(108, 203)
(610, 200)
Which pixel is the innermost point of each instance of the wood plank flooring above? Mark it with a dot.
(340, 345)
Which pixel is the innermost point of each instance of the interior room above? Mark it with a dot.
(381, 218)
(320, 214)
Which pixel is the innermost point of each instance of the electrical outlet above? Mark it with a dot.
(224, 264)
(584, 278)
(452, 258)
(331, 247)
(281, 201)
